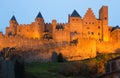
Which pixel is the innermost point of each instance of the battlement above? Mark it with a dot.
(48, 23)
(24, 24)
(80, 36)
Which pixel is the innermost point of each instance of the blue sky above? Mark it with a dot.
(26, 10)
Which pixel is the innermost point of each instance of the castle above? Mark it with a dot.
(83, 36)
(77, 27)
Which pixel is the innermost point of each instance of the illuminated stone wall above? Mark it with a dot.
(93, 35)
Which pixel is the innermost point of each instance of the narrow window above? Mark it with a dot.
(98, 27)
(92, 33)
(88, 32)
(98, 33)
(88, 28)
(19, 30)
(76, 19)
(105, 18)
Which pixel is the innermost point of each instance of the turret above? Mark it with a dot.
(54, 23)
(75, 22)
(13, 26)
(39, 26)
(13, 20)
(40, 21)
(103, 15)
(39, 18)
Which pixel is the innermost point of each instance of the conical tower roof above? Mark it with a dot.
(75, 14)
(13, 18)
(39, 15)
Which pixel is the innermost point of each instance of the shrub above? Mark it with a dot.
(60, 58)
(19, 70)
(74, 69)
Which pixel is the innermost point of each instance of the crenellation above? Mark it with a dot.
(78, 37)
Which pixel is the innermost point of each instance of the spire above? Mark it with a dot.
(39, 15)
(75, 14)
(13, 18)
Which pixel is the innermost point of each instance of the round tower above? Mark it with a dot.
(13, 26)
(39, 20)
(75, 21)
(39, 28)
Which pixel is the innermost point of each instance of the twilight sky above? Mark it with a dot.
(26, 10)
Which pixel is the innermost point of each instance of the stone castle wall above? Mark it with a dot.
(46, 48)
(42, 50)
(80, 38)
(108, 47)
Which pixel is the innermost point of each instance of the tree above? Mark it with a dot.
(60, 58)
(12, 64)
(19, 69)
(0, 69)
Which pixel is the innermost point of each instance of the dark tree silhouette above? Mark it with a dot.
(12, 64)
(19, 70)
(60, 58)
(0, 69)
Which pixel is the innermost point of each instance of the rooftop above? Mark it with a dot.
(39, 15)
(75, 14)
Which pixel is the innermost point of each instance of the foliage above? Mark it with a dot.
(74, 69)
(13, 62)
(19, 70)
(0, 70)
(60, 58)
(88, 68)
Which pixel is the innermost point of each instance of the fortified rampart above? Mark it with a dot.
(79, 38)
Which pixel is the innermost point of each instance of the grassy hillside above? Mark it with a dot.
(44, 70)
(78, 69)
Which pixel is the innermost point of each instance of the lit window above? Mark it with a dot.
(19, 30)
(88, 28)
(88, 32)
(98, 27)
(98, 33)
(92, 33)
(105, 18)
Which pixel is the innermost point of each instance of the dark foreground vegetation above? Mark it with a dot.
(12, 66)
(89, 68)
